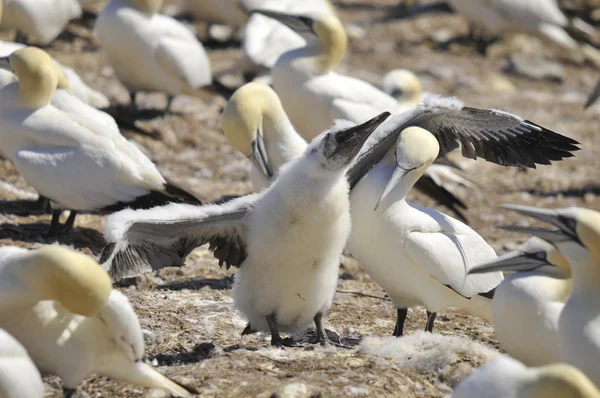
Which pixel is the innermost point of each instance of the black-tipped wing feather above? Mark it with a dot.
(152, 243)
(495, 136)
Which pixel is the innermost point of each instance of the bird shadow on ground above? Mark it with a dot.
(225, 283)
(567, 193)
(79, 238)
(199, 353)
(21, 207)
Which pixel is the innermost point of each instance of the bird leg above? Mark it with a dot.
(54, 224)
(167, 111)
(69, 392)
(68, 227)
(43, 203)
(400, 318)
(430, 319)
(276, 340)
(132, 105)
(321, 333)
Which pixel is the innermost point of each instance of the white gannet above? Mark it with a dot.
(255, 123)
(286, 241)
(40, 20)
(542, 18)
(78, 87)
(60, 305)
(150, 51)
(70, 158)
(19, 378)
(533, 298)
(404, 86)
(505, 377)
(578, 239)
(420, 256)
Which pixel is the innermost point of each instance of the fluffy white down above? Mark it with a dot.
(435, 101)
(18, 375)
(174, 61)
(431, 353)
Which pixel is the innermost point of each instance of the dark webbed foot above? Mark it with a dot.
(321, 333)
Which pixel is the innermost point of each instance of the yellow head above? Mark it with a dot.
(560, 380)
(403, 85)
(333, 37)
(247, 108)
(71, 278)
(37, 75)
(149, 7)
(588, 230)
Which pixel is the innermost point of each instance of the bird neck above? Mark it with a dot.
(319, 57)
(584, 268)
(282, 141)
(36, 94)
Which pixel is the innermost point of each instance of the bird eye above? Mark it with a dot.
(568, 222)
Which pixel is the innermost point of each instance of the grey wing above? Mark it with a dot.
(498, 137)
(146, 240)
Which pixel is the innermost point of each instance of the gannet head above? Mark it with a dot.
(559, 380)
(533, 254)
(37, 75)
(578, 233)
(122, 322)
(148, 7)
(403, 85)
(242, 121)
(326, 27)
(73, 279)
(334, 149)
(416, 150)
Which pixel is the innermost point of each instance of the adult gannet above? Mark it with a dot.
(41, 20)
(287, 240)
(77, 86)
(505, 377)
(420, 256)
(19, 378)
(533, 298)
(150, 51)
(71, 159)
(61, 307)
(404, 86)
(578, 239)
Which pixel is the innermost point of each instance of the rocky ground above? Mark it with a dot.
(192, 330)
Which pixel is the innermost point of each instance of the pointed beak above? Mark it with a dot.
(593, 95)
(397, 176)
(298, 23)
(513, 261)
(259, 154)
(5, 64)
(348, 142)
(565, 232)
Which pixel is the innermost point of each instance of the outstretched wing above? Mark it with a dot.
(496, 136)
(145, 240)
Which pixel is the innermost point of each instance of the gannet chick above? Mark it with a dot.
(404, 86)
(77, 86)
(19, 378)
(420, 256)
(255, 123)
(578, 239)
(150, 51)
(40, 20)
(505, 377)
(287, 240)
(68, 158)
(533, 298)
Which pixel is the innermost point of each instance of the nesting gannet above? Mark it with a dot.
(72, 159)
(505, 377)
(418, 255)
(286, 241)
(255, 123)
(578, 239)
(533, 298)
(41, 20)
(77, 86)
(403, 85)
(19, 378)
(150, 51)
(61, 307)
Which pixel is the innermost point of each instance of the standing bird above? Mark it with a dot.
(68, 158)
(532, 297)
(150, 51)
(19, 378)
(420, 256)
(61, 306)
(578, 239)
(504, 377)
(40, 20)
(286, 240)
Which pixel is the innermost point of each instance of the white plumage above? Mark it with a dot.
(19, 378)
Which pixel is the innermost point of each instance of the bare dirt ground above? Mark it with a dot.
(192, 330)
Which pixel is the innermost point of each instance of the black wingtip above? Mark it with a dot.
(489, 294)
(248, 330)
(171, 194)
